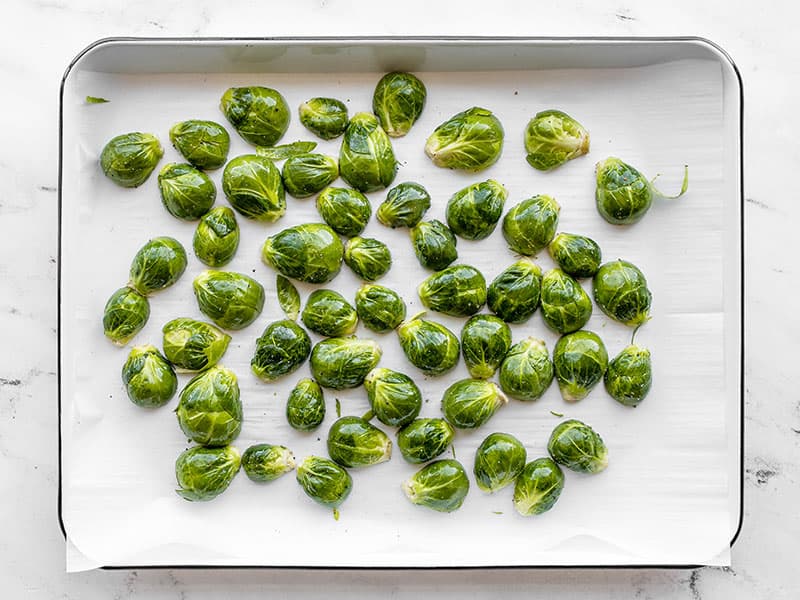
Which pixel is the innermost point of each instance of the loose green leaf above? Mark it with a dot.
(288, 297)
(284, 151)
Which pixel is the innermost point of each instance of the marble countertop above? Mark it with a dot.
(41, 37)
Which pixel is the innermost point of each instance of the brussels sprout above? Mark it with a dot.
(405, 205)
(216, 238)
(498, 461)
(578, 447)
(324, 117)
(354, 442)
(629, 375)
(284, 151)
(441, 486)
(566, 307)
(470, 141)
(305, 408)
(579, 362)
(527, 371)
(128, 159)
(621, 292)
(368, 258)
(311, 253)
(125, 315)
(577, 255)
(149, 379)
(254, 187)
(474, 211)
(531, 225)
(346, 211)
(485, 341)
(193, 345)
(434, 244)
(204, 473)
(157, 265)
(259, 114)
(379, 308)
(306, 174)
(398, 102)
(265, 462)
(210, 411)
(231, 300)
(187, 193)
(280, 350)
(470, 403)
(366, 159)
(623, 194)
(424, 439)
(429, 346)
(538, 487)
(552, 138)
(328, 313)
(288, 297)
(514, 294)
(324, 481)
(343, 362)
(458, 291)
(204, 144)
(394, 397)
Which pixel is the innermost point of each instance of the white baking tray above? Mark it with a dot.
(672, 495)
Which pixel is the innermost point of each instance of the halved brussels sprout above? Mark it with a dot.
(566, 307)
(515, 293)
(578, 447)
(442, 486)
(368, 258)
(324, 117)
(629, 375)
(527, 371)
(538, 487)
(306, 174)
(149, 379)
(470, 141)
(265, 462)
(354, 442)
(125, 315)
(577, 255)
(393, 397)
(498, 461)
(284, 151)
(424, 439)
(288, 297)
(231, 300)
(485, 341)
(470, 403)
(259, 114)
(204, 473)
(531, 225)
(328, 313)
(253, 186)
(621, 292)
(204, 144)
(193, 345)
(216, 238)
(324, 481)
(398, 101)
(128, 159)
(552, 138)
(429, 346)
(305, 408)
(405, 205)
(186, 192)
(311, 253)
(434, 244)
(343, 362)
(210, 411)
(157, 265)
(474, 211)
(379, 308)
(459, 291)
(346, 211)
(579, 362)
(280, 350)
(366, 159)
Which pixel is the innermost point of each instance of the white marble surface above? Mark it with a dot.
(39, 39)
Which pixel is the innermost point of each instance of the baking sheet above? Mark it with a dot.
(666, 497)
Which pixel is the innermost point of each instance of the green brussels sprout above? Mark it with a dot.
(442, 486)
(434, 244)
(485, 341)
(216, 238)
(284, 151)
(324, 117)
(527, 371)
(424, 439)
(515, 293)
(458, 291)
(265, 462)
(306, 174)
(629, 375)
(578, 447)
(125, 315)
(346, 211)
(469, 141)
(623, 194)
(393, 397)
(157, 265)
(305, 408)
(288, 297)
(579, 362)
(354, 442)
(566, 307)
(474, 211)
(538, 487)
(429, 346)
(311, 253)
(193, 345)
(552, 138)
(366, 159)
(324, 481)
(128, 159)
(405, 205)
(210, 411)
(621, 292)
(498, 461)
(204, 473)
(187, 193)
(531, 225)
(469, 403)
(231, 300)
(259, 114)
(398, 101)
(328, 313)
(253, 186)
(204, 144)
(368, 258)
(379, 308)
(343, 362)
(281, 349)
(577, 255)
(149, 379)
